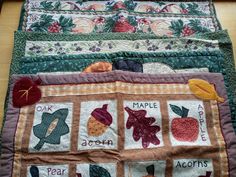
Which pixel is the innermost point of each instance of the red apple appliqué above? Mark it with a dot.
(184, 128)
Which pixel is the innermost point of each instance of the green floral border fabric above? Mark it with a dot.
(25, 65)
(35, 44)
(21, 38)
(213, 60)
(45, 48)
(121, 22)
(176, 7)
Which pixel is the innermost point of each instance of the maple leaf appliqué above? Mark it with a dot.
(143, 127)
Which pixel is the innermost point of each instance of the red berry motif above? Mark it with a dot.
(142, 127)
(119, 5)
(187, 31)
(54, 28)
(123, 26)
(184, 11)
(184, 128)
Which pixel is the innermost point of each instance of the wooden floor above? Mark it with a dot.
(9, 19)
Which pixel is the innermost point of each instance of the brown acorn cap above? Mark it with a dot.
(102, 115)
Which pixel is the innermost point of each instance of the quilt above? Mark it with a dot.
(207, 55)
(135, 62)
(204, 7)
(121, 21)
(120, 88)
(44, 44)
(118, 124)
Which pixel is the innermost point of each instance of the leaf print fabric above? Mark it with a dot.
(96, 170)
(143, 127)
(47, 24)
(156, 118)
(45, 48)
(120, 88)
(26, 92)
(52, 127)
(175, 7)
(121, 22)
(204, 90)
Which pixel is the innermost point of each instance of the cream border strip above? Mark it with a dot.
(114, 87)
(220, 139)
(18, 141)
(62, 90)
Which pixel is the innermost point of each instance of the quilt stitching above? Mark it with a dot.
(216, 107)
(117, 22)
(36, 48)
(200, 8)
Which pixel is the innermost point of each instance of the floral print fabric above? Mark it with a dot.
(174, 7)
(44, 48)
(97, 22)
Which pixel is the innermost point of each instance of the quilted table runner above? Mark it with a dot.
(204, 7)
(118, 124)
(135, 62)
(122, 21)
(120, 88)
(43, 44)
(149, 55)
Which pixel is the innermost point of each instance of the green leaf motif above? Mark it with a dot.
(177, 27)
(97, 171)
(177, 110)
(160, 3)
(181, 112)
(50, 5)
(109, 25)
(51, 128)
(197, 26)
(184, 112)
(57, 5)
(193, 9)
(130, 4)
(46, 5)
(66, 23)
(43, 23)
(46, 18)
(132, 20)
(80, 2)
(182, 6)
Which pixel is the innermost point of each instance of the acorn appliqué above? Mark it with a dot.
(99, 121)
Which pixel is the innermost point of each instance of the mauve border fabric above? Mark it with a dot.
(8, 133)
